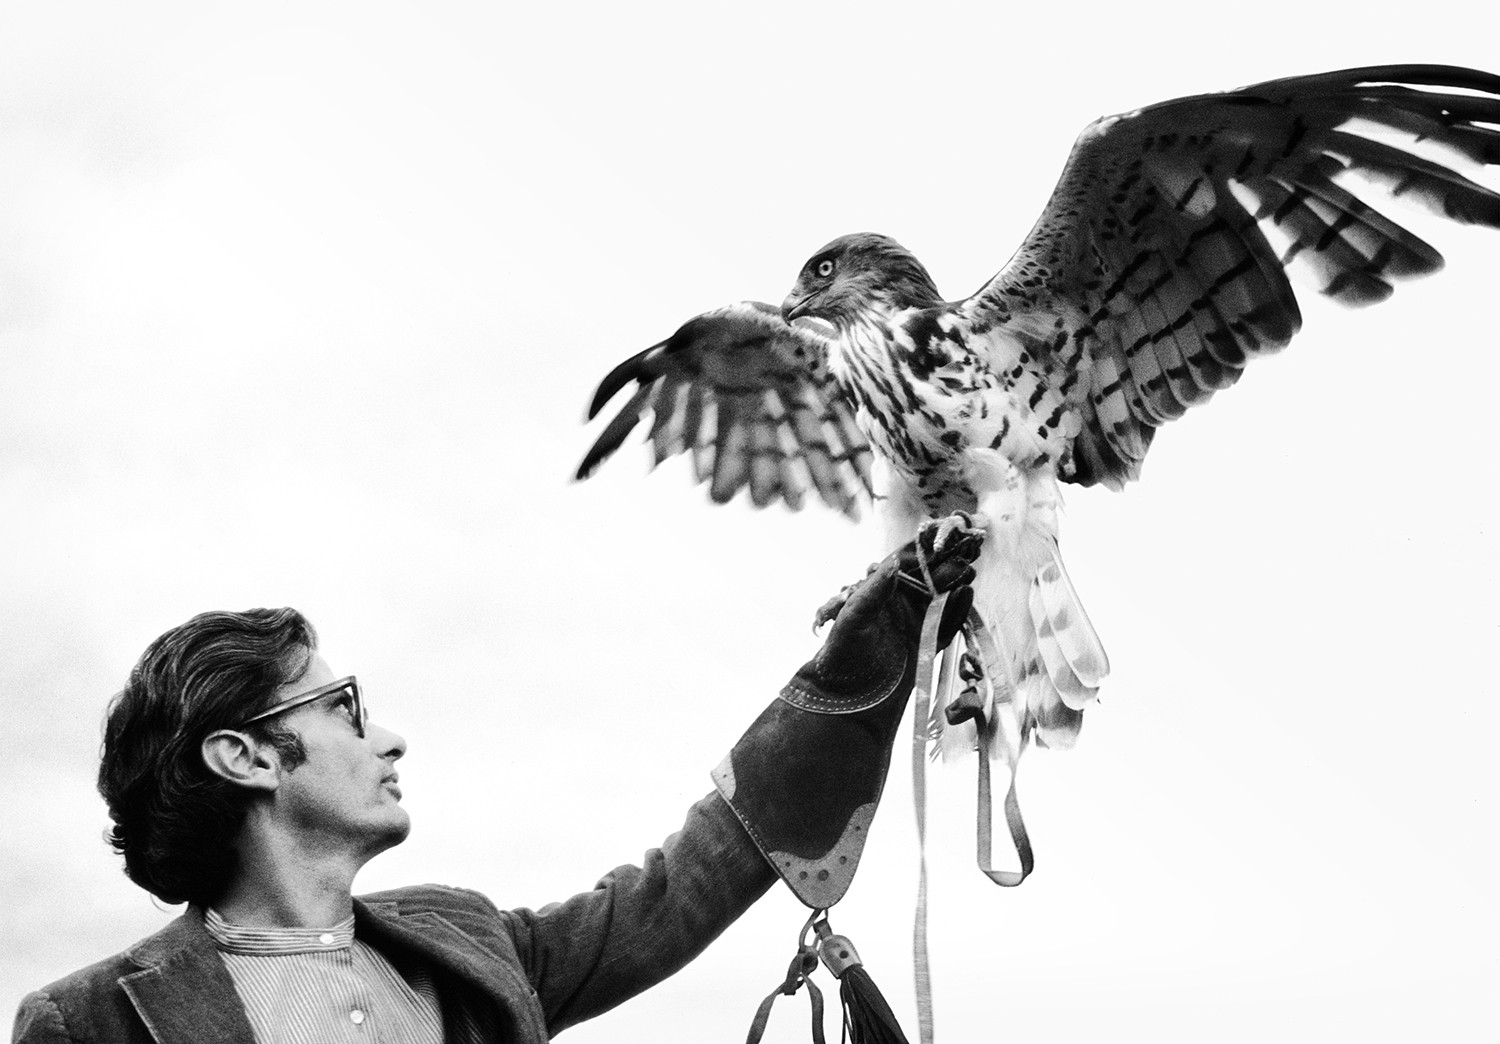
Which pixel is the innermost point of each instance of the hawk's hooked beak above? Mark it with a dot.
(795, 306)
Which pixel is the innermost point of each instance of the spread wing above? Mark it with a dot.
(753, 400)
(1154, 255)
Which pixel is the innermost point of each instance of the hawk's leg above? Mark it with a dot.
(942, 530)
(934, 537)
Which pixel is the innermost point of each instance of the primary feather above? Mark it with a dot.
(1147, 284)
(752, 398)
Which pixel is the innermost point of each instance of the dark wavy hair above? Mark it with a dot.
(175, 821)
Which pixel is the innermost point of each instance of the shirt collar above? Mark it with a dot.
(272, 942)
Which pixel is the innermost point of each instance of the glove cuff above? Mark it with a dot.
(806, 782)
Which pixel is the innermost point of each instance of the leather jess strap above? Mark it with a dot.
(797, 976)
(980, 640)
(978, 634)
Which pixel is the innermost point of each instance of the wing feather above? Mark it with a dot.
(666, 424)
(752, 400)
(1155, 249)
(765, 451)
(1371, 232)
(795, 474)
(692, 415)
(703, 446)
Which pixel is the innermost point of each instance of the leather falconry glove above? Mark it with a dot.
(806, 777)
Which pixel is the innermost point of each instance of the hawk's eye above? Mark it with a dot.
(825, 268)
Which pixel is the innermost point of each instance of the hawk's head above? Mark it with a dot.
(856, 273)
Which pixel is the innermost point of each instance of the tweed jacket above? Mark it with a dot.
(503, 975)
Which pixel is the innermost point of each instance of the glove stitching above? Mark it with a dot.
(807, 699)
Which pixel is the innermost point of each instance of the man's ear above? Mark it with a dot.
(234, 756)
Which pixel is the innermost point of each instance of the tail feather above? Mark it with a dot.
(1056, 726)
(1048, 645)
(1059, 679)
(1070, 647)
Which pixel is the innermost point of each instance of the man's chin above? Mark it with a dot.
(403, 827)
(395, 830)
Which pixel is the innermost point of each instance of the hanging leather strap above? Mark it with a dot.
(981, 640)
(980, 637)
(922, 697)
(797, 976)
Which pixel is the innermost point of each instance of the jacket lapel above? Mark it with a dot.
(435, 938)
(183, 992)
(184, 995)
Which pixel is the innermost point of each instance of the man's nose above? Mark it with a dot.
(389, 744)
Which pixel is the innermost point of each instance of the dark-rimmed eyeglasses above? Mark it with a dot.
(345, 688)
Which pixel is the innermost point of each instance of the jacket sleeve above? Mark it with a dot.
(641, 923)
(38, 1021)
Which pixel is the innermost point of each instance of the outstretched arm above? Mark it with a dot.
(812, 765)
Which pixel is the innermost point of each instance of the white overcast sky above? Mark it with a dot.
(302, 304)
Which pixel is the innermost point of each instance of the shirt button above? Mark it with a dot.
(356, 1016)
(326, 938)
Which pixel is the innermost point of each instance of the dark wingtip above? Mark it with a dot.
(614, 433)
(596, 455)
(590, 464)
(632, 369)
(608, 388)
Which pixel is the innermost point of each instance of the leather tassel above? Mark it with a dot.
(868, 1019)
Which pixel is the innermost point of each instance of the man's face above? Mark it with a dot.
(345, 793)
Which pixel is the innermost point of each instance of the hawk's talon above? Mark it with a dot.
(958, 524)
(830, 609)
(957, 536)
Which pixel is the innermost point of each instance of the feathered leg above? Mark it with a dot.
(1023, 593)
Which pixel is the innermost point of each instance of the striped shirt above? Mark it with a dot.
(322, 985)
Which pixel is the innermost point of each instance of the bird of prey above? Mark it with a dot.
(1156, 272)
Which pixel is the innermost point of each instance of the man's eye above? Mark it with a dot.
(345, 703)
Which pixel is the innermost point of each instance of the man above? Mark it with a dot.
(245, 779)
